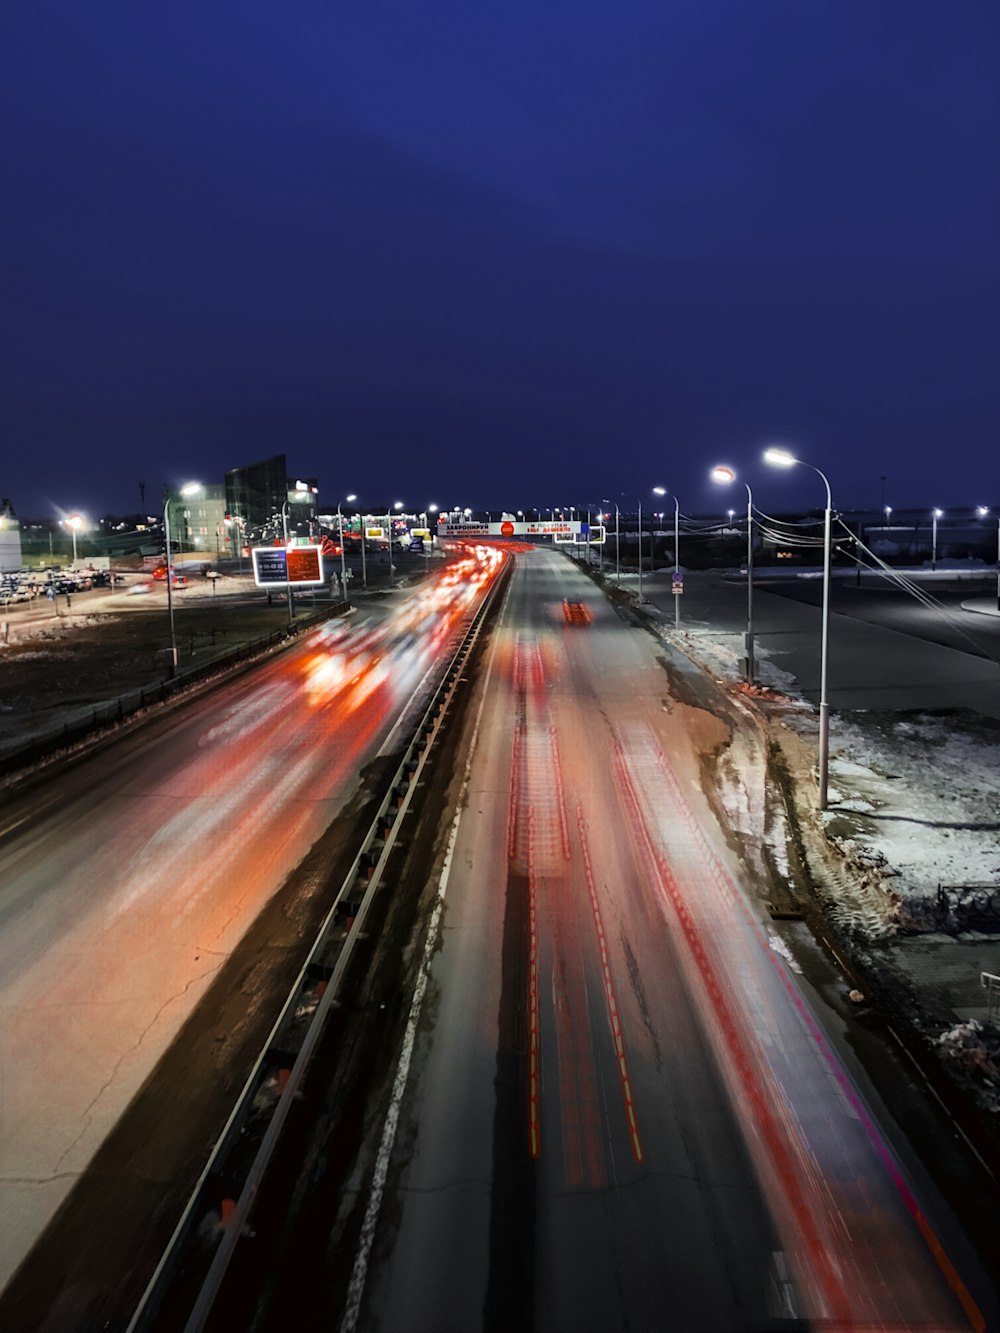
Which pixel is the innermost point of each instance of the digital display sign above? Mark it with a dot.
(276, 567)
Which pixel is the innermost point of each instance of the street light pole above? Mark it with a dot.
(782, 458)
(640, 552)
(343, 558)
(726, 474)
(191, 488)
(983, 511)
(935, 515)
(431, 509)
(677, 560)
(288, 586)
(388, 518)
(74, 522)
(662, 490)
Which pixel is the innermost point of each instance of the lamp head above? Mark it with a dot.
(982, 510)
(659, 490)
(191, 488)
(350, 498)
(722, 474)
(778, 457)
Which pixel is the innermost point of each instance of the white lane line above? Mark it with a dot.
(359, 1274)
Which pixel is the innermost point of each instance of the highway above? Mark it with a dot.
(613, 1106)
(130, 878)
(618, 1110)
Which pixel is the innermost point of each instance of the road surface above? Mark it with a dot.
(128, 880)
(619, 1111)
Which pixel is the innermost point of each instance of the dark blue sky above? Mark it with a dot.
(515, 254)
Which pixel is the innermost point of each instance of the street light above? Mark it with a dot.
(983, 511)
(398, 504)
(782, 458)
(935, 515)
(302, 493)
(192, 488)
(618, 563)
(724, 475)
(343, 559)
(74, 523)
(640, 552)
(662, 490)
(431, 509)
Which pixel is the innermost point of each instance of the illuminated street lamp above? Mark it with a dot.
(388, 519)
(782, 458)
(74, 523)
(662, 490)
(343, 559)
(935, 515)
(618, 563)
(983, 510)
(192, 488)
(640, 552)
(302, 493)
(724, 475)
(431, 509)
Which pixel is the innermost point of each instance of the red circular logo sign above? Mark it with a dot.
(506, 529)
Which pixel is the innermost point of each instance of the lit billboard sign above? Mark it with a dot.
(298, 566)
(575, 530)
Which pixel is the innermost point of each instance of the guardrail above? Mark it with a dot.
(227, 1189)
(107, 716)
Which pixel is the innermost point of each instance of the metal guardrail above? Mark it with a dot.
(280, 1068)
(107, 716)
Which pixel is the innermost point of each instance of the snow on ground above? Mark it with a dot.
(914, 796)
(913, 807)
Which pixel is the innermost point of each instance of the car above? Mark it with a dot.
(576, 612)
(137, 589)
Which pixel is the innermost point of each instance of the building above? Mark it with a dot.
(200, 528)
(260, 500)
(256, 492)
(10, 537)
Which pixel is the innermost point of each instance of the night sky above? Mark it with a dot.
(517, 254)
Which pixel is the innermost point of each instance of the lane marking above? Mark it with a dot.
(635, 1143)
(534, 1060)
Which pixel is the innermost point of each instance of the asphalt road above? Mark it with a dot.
(887, 650)
(620, 1111)
(129, 879)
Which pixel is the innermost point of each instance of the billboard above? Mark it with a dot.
(298, 566)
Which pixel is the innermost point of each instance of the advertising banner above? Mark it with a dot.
(276, 567)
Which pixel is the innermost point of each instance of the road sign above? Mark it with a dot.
(678, 584)
(276, 567)
(506, 529)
